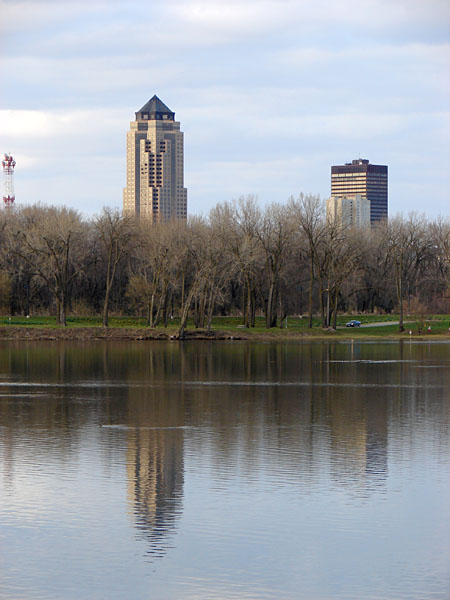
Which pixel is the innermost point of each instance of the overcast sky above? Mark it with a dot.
(269, 93)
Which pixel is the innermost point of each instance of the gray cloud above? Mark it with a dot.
(269, 93)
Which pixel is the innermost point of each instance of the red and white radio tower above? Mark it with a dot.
(8, 164)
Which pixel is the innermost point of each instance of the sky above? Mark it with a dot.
(269, 93)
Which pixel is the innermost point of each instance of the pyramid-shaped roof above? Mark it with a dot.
(155, 109)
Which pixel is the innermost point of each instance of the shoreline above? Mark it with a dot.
(38, 334)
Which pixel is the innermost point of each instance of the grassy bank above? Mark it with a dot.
(42, 327)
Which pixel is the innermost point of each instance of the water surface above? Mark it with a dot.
(234, 470)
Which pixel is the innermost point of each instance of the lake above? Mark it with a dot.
(224, 470)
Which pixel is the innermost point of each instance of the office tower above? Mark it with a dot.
(155, 189)
(349, 210)
(369, 181)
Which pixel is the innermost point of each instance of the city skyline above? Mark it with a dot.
(271, 95)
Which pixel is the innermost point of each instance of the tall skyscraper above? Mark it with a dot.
(369, 181)
(155, 179)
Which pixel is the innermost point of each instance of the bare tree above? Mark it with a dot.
(217, 269)
(308, 213)
(341, 255)
(237, 225)
(194, 242)
(374, 291)
(275, 235)
(406, 247)
(241, 257)
(50, 241)
(435, 274)
(152, 270)
(116, 234)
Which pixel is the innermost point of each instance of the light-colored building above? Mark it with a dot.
(155, 164)
(353, 211)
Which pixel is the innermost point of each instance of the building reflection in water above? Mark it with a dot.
(355, 417)
(359, 439)
(155, 464)
(241, 413)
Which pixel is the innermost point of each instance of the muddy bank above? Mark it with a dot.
(14, 332)
(17, 332)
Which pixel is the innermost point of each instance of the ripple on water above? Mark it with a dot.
(146, 484)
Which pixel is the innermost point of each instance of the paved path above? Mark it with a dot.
(381, 324)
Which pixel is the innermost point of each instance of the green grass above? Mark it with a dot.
(439, 325)
(42, 321)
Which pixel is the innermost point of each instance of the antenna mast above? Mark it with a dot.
(8, 164)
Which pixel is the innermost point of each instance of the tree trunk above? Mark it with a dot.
(335, 305)
(269, 305)
(250, 304)
(149, 312)
(252, 308)
(27, 299)
(247, 303)
(63, 307)
(158, 312)
(280, 311)
(182, 288)
(311, 285)
(399, 273)
(202, 310)
(109, 278)
(151, 309)
(322, 304)
(161, 304)
(106, 306)
(185, 312)
(196, 313)
(167, 302)
(211, 303)
(58, 310)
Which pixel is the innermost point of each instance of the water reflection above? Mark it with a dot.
(171, 438)
(151, 388)
(155, 464)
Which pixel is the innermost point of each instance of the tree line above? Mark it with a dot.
(278, 260)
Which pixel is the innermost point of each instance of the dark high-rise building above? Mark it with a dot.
(368, 181)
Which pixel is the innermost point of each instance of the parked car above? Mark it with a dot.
(353, 323)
